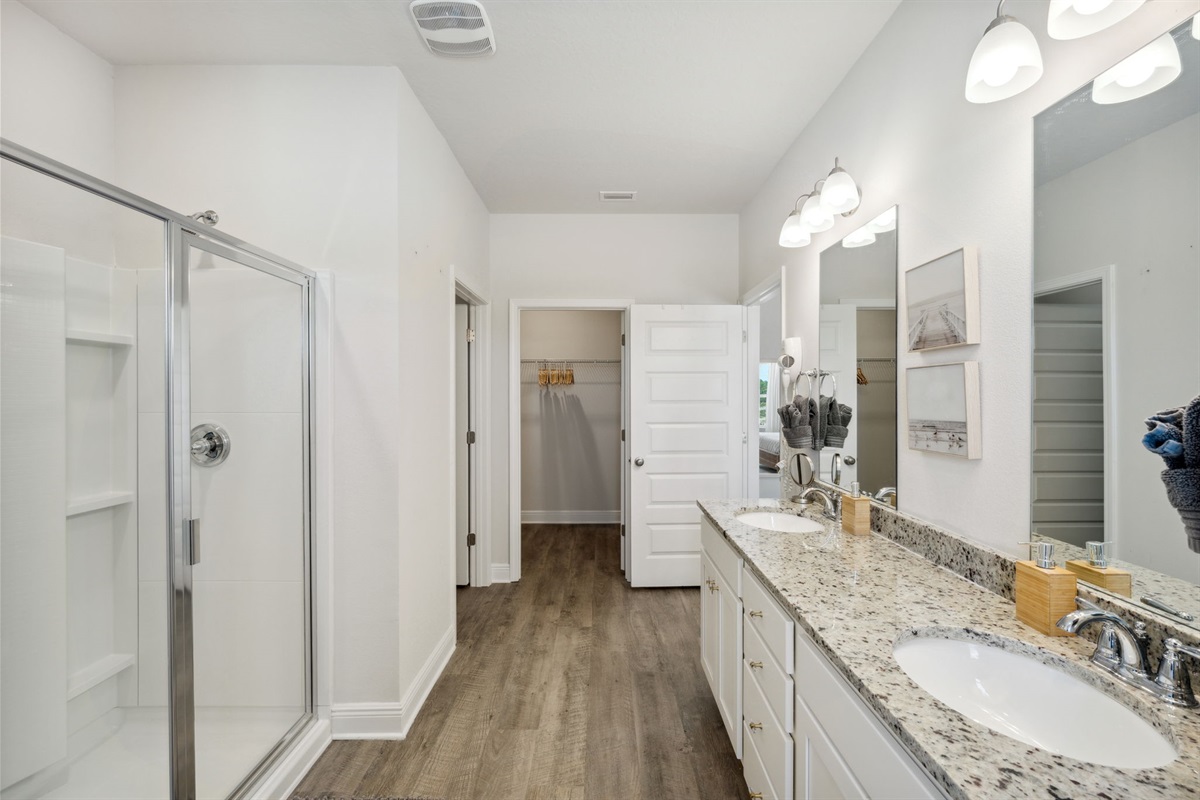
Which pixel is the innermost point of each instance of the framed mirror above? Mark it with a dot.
(1116, 296)
(858, 338)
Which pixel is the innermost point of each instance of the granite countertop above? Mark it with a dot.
(856, 595)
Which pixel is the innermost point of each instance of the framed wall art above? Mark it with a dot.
(943, 409)
(942, 301)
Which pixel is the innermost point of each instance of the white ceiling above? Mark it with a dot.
(690, 103)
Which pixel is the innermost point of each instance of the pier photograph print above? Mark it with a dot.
(942, 302)
(943, 409)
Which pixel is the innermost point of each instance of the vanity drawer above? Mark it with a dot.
(764, 614)
(722, 554)
(776, 686)
(757, 782)
(763, 730)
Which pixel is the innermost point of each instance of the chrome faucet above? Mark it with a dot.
(885, 493)
(1121, 650)
(830, 502)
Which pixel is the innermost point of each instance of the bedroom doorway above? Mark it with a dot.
(768, 384)
(470, 486)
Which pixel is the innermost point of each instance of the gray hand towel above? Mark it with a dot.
(838, 424)
(1191, 435)
(1183, 484)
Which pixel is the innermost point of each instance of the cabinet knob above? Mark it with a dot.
(754, 726)
(755, 614)
(755, 665)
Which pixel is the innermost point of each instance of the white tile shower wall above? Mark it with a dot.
(248, 602)
(961, 174)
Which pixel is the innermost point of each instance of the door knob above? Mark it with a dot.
(850, 461)
(637, 462)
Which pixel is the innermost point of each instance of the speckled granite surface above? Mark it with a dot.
(856, 595)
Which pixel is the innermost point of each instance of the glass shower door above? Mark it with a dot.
(240, 510)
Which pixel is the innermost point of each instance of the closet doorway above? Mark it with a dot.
(571, 397)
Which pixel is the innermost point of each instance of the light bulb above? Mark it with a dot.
(815, 216)
(793, 233)
(1074, 19)
(840, 193)
(860, 238)
(884, 222)
(1006, 62)
(1143, 73)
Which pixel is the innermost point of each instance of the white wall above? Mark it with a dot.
(648, 258)
(571, 434)
(1152, 236)
(340, 168)
(961, 174)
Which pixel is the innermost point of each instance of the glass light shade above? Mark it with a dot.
(815, 216)
(1144, 72)
(1196, 27)
(1073, 19)
(884, 222)
(793, 233)
(1006, 62)
(840, 194)
(860, 238)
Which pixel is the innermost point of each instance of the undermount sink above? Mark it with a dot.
(1036, 703)
(775, 521)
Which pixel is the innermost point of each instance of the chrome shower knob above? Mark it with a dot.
(210, 445)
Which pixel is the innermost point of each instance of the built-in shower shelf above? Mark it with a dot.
(80, 336)
(97, 672)
(96, 502)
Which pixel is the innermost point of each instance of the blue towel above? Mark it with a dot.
(1165, 440)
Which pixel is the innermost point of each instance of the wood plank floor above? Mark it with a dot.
(566, 685)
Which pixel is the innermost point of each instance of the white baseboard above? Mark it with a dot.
(288, 773)
(501, 573)
(570, 517)
(393, 720)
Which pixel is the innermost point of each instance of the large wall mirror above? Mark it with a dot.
(1116, 309)
(858, 356)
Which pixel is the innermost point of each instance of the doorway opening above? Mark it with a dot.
(472, 544)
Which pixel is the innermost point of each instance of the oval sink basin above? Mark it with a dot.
(1032, 702)
(775, 521)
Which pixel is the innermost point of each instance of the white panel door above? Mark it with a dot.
(687, 433)
(462, 457)
(839, 355)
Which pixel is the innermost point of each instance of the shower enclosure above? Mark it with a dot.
(156, 630)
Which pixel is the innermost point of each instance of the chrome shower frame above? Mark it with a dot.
(183, 233)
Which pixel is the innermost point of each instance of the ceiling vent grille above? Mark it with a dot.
(618, 197)
(459, 28)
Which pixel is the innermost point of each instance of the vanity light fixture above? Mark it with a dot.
(860, 238)
(1074, 19)
(1144, 72)
(1006, 61)
(840, 194)
(794, 234)
(815, 216)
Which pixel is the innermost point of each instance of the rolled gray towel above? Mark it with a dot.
(1191, 433)
(1183, 492)
(838, 427)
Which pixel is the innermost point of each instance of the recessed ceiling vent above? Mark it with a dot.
(619, 197)
(458, 28)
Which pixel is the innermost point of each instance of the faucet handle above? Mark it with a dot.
(1174, 683)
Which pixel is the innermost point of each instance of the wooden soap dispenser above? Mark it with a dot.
(1097, 572)
(1045, 593)
(856, 511)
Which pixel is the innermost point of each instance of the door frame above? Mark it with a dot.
(479, 388)
(515, 307)
(1106, 276)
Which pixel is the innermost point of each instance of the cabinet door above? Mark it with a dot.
(820, 772)
(710, 625)
(729, 697)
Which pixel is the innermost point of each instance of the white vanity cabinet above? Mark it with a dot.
(767, 691)
(721, 627)
(842, 750)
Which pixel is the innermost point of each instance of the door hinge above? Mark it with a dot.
(745, 438)
(622, 340)
(470, 437)
(622, 434)
(470, 335)
(622, 530)
(744, 335)
(470, 540)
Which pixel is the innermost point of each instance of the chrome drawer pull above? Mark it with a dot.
(757, 614)
(756, 665)
(754, 726)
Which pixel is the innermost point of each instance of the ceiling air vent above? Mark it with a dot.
(458, 28)
(623, 197)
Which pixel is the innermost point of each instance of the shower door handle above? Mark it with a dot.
(191, 531)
